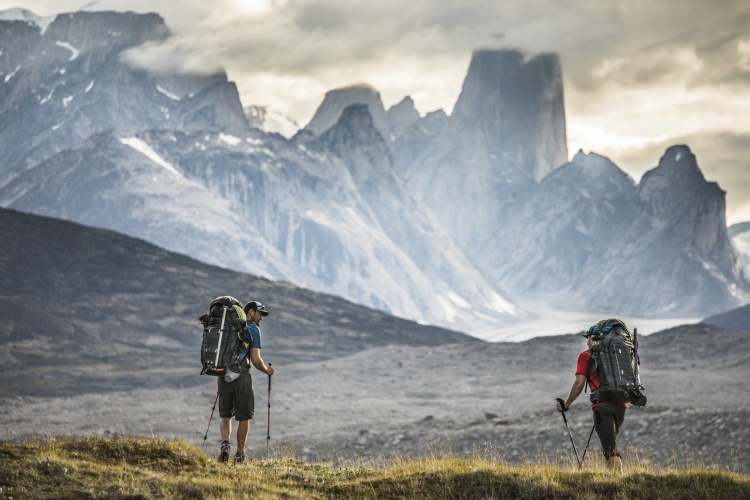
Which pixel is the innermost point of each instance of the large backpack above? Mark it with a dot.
(615, 355)
(222, 326)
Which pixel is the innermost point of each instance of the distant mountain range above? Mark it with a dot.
(469, 221)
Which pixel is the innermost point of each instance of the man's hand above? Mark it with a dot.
(270, 369)
(561, 405)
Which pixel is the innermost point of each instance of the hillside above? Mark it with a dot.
(91, 310)
(736, 319)
(127, 468)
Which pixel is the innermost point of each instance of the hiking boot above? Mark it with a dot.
(239, 457)
(224, 455)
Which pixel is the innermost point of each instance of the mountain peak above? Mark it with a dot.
(592, 173)
(695, 209)
(517, 105)
(594, 165)
(677, 171)
(337, 100)
(403, 115)
(354, 128)
(356, 141)
(679, 161)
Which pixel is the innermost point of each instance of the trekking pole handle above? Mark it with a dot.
(562, 405)
(269, 378)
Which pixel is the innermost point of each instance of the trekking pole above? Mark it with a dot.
(209, 420)
(637, 358)
(268, 432)
(570, 434)
(583, 457)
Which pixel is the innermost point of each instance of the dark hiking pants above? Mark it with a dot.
(607, 421)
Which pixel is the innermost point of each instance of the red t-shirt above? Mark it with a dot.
(593, 377)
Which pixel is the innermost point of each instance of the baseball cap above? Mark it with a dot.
(256, 306)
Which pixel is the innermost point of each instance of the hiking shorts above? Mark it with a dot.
(237, 398)
(607, 421)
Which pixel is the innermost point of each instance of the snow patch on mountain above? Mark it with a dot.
(18, 14)
(152, 155)
(167, 93)
(11, 74)
(230, 139)
(74, 52)
(271, 121)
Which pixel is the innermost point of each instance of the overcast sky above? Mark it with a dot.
(639, 75)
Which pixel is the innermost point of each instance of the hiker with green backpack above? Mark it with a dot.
(610, 366)
(231, 343)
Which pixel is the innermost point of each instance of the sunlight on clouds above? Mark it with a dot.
(743, 51)
(632, 127)
(655, 111)
(739, 214)
(589, 136)
(254, 7)
(667, 65)
(294, 96)
(432, 82)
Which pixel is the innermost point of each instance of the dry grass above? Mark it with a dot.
(149, 468)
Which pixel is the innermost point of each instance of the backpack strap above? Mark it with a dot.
(590, 382)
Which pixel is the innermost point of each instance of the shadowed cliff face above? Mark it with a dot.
(516, 108)
(677, 188)
(355, 140)
(506, 132)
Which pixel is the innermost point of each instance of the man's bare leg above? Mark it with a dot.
(243, 429)
(226, 428)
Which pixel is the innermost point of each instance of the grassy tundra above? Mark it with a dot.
(150, 468)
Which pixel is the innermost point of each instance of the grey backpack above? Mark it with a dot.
(615, 355)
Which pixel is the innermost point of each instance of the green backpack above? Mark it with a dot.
(222, 326)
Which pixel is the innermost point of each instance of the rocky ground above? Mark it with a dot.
(464, 398)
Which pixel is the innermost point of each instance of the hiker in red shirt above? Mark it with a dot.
(608, 417)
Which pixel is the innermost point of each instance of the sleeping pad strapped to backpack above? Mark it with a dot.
(222, 326)
(615, 355)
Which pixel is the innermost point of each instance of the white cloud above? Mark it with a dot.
(177, 54)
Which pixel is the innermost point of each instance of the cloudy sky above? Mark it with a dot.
(640, 75)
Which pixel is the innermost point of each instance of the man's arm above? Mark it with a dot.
(578, 384)
(258, 363)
